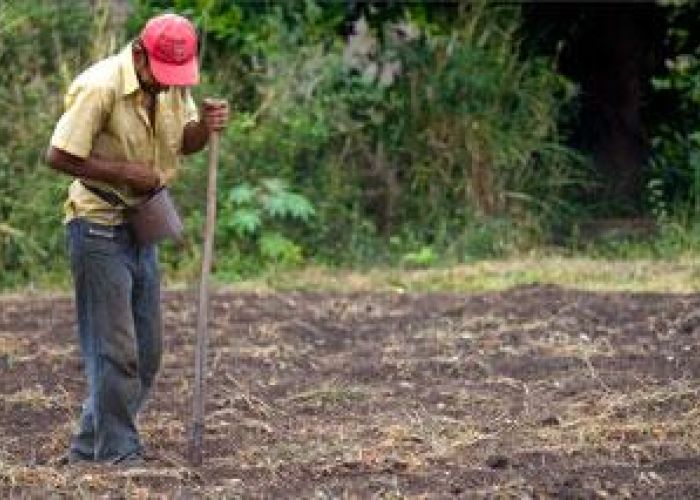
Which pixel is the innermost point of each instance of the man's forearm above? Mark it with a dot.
(140, 178)
(194, 137)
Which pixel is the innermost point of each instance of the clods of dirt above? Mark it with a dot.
(535, 392)
(498, 462)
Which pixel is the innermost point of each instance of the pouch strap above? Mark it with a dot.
(105, 195)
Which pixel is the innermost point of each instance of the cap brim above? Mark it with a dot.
(175, 74)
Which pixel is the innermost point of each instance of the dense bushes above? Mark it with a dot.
(41, 46)
(413, 137)
(417, 139)
(674, 186)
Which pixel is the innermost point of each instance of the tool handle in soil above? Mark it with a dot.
(203, 308)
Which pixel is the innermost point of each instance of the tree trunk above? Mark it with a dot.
(612, 87)
(609, 49)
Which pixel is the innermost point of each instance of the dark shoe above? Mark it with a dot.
(71, 457)
(134, 459)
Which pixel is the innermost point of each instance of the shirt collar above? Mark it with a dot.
(130, 83)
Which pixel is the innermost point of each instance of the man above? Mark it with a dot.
(127, 120)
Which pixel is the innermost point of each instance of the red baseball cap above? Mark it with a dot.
(171, 43)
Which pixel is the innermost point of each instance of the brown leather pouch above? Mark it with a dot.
(155, 219)
(151, 221)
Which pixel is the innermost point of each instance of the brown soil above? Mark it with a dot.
(535, 392)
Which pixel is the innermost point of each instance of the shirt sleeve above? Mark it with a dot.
(83, 118)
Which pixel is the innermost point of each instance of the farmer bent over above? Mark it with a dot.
(127, 120)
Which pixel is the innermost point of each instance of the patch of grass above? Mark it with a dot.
(328, 395)
(623, 419)
(678, 275)
(12, 475)
(681, 275)
(10, 349)
(12, 346)
(33, 397)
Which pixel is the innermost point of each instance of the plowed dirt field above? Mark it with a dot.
(537, 392)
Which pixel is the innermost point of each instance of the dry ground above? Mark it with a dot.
(536, 392)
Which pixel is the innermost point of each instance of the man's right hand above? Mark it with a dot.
(141, 178)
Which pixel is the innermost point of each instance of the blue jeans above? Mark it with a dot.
(117, 295)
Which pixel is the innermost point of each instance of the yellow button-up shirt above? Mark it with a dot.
(105, 117)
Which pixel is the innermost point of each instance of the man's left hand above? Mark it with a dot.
(215, 113)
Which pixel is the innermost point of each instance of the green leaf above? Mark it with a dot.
(242, 194)
(661, 83)
(275, 247)
(422, 258)
(286, 204)
(246, 221)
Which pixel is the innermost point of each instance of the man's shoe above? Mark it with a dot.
(134, 459)
(71, 457)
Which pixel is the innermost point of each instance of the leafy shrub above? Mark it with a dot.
(41, 46)
(253, 220)
(674, 177)
(431, 127)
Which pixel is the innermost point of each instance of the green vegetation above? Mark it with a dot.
(425, 139)
(674, 186)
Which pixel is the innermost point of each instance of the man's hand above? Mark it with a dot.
(215, 113)
(141, 178)
(214, 117)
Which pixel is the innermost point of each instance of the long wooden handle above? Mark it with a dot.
(203, 307)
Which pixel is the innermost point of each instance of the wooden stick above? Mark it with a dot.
(203, 308)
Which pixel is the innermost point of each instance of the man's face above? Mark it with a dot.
(146, 79)
(152, 85)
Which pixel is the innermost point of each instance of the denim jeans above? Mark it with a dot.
(117, 295)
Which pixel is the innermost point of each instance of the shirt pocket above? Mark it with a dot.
(137, 146)
(133, 133)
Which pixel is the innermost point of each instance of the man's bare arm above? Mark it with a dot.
(140, 177)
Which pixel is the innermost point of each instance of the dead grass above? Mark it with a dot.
(328, 394)
(624, 418)
(681, 275)
(12, 345)
(36, 398)
(678, 276)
